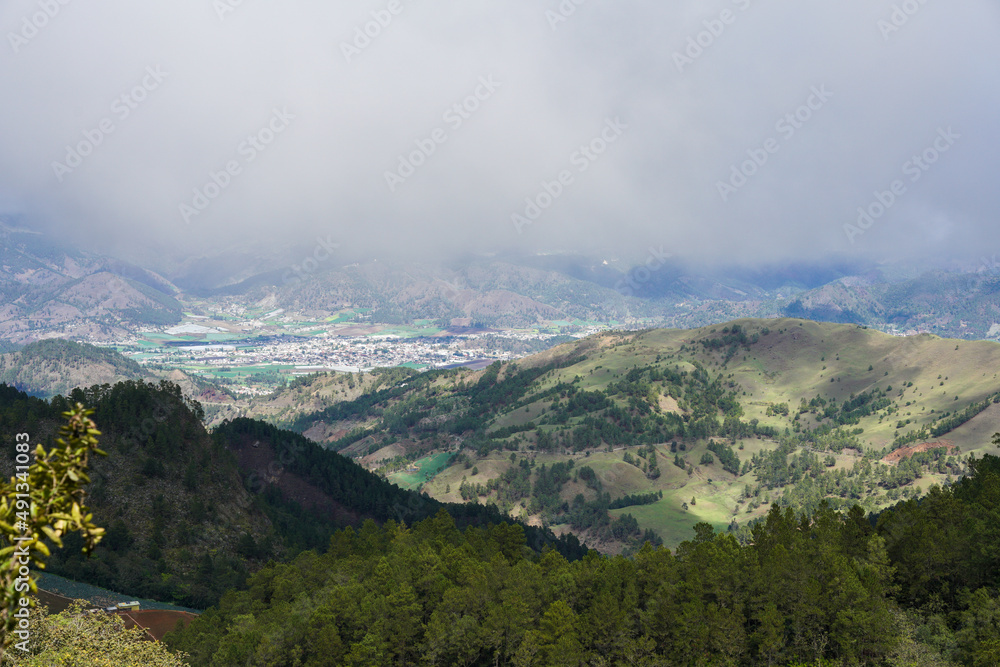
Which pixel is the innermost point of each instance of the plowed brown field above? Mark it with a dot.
(157, 622)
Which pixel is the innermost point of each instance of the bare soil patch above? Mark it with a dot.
(908, 451)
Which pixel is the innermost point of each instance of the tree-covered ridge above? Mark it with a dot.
(345, 482)
(54, 367)
(185, 522)
(176, 515)
(57, 349)
(828, 589)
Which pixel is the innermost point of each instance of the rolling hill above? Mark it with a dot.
(625, 432)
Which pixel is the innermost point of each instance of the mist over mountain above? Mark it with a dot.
(517, 127)
(711, 288)
(52, 288)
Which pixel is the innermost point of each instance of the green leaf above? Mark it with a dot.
(53, 535)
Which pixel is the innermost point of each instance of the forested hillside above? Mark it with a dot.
(180, 524)
(629, 436)
(919, 587)
(190, 514)
(54, 367)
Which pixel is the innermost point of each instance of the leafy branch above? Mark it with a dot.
(41, 505)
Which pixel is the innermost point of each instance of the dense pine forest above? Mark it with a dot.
(916, 585)
(187, 518)
(302, 557)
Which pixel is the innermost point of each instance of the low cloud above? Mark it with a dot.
(125, 124)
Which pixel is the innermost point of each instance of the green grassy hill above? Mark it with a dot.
(709, 424)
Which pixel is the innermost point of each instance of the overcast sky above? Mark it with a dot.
(115, 115)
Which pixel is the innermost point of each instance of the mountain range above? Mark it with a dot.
(51, 290)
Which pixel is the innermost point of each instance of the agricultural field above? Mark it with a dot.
(649, 433)
(421, 471)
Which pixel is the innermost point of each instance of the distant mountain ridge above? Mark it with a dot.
(957, 305)
(47, 289)
(520, 291)
(51, 367)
